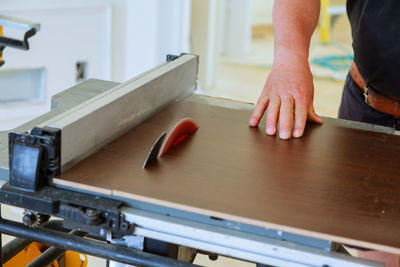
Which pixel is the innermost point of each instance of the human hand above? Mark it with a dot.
(288, 96)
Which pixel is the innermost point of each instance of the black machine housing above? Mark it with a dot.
(34, 160)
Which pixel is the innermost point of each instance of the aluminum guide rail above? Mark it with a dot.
(234, 243)
(90, 125)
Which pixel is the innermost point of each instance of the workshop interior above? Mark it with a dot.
(124, 141)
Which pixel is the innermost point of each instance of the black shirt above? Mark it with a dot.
(375, 26)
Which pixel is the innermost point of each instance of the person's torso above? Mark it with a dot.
(375, 26)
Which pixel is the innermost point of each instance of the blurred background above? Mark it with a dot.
(119, 39)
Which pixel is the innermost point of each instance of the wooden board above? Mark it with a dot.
(334, 183)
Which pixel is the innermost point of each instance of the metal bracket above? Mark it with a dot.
(171, 57)
(365, 93)
(85, 212)
(31, 29)
(19, 44)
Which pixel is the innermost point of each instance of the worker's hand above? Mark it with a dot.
(288, 97)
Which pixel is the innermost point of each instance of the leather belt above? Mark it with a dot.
(376, 100)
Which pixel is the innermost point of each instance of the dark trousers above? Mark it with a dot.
(353, 107)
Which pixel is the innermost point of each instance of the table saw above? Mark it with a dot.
(227, 189)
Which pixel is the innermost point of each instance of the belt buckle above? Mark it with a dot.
(365, 92)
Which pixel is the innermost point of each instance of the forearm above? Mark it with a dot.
(294, 24)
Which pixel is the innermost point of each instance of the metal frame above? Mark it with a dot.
(204, 237)
(236, 244)
(65, 241)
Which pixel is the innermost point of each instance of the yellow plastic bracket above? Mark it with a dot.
(27, 255)
(34, 250)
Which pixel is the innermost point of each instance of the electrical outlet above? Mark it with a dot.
(81, 71)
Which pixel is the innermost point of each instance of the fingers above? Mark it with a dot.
(286, 117)
(300, 118)
(259, 110)
(272, 114)
(290, 111)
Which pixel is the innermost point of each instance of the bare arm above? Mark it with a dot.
(289, 91)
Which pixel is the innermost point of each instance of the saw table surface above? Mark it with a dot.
(335, 183)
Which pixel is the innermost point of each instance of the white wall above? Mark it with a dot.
(205, 40)
(262, 12)
(118, 38)
(237, 28)
(159, 28)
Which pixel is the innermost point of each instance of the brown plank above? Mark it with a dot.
(335, 183)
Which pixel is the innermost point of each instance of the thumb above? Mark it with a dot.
(312, 116)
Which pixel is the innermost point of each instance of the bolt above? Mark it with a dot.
(213, 256)
(91, 212)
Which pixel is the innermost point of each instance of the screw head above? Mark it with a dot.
(91, 212)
